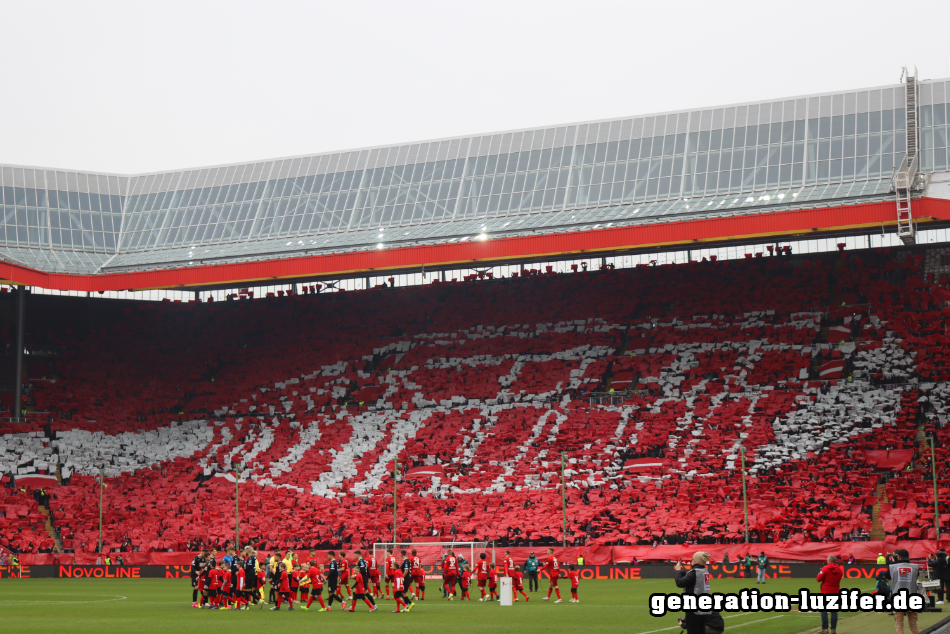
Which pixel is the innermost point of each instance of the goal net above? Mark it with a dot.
(431, 553)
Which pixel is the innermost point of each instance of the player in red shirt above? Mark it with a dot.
(574, 575)
(392, 568)
(509, 566)
(373, 568)
(554, 571)
(240, 589)
(359, 592)
(517, 583)
(481, 573)
(450, 573)
(508, 563)
(344, 578)
(225, 592)
(418, 575)
(466, 580)
(399, 594)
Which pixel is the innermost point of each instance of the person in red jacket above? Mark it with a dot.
(830, 579)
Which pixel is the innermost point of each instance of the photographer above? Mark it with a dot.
(903, 577)
(696, 582)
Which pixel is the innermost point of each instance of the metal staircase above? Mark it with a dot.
(905, 174)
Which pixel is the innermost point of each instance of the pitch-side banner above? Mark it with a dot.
(649, 571)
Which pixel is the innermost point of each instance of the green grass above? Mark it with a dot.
(124, 606)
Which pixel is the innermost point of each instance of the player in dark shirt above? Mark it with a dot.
(333, 578)
(210, 564)
(250, 574)
(362, 569)
(196, 565)
(406, 568)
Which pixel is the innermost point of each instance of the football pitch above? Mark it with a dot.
(118, 606)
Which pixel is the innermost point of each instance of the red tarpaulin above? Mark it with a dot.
(894, 459)
(36, 481)
(832, 369)
(839, 333)
(429, 471)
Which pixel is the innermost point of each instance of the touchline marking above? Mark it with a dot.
(115, 597)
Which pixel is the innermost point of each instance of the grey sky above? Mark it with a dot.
(141, 86)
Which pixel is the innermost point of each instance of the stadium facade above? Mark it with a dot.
(858, 161)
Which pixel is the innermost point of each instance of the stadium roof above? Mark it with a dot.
(774, 168)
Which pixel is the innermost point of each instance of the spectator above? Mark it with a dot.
(830, 579)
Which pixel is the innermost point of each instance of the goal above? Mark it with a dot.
(431, 552)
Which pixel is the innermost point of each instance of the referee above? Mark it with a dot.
(531, 566)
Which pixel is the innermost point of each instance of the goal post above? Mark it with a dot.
(431, 553)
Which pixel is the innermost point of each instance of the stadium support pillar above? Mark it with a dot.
(18, 376)
(933, 473)
(563, 502)
(197, 296)
(102, 485)
(366, 283)
(745, 496)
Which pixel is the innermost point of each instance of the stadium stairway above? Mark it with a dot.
(877, 527)
(50, 530)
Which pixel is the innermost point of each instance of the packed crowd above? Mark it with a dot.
(799, 367)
